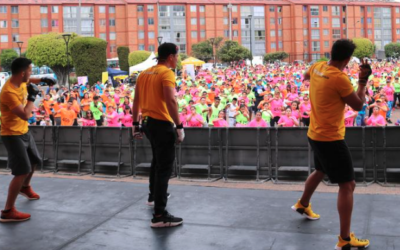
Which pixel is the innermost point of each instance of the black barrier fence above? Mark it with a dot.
(277, 154)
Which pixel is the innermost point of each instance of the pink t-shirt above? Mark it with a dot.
(349, 122)
(220, 123)
(183, 118)
(194, 121)
(276, 107)
(88, 123)
(389, 91)
(116, 98)
(376, 120)
(305, 108)
(296, 113)
(255, 124)
(126, 119)
(288, 121)
(292, 96)
(113, 122)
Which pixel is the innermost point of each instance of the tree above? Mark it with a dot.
(50, 50)
(232, 51)
(123, 54)
(204, 50)
(6, 58)
(89, 55)
(280, 55)
(183, 56)
(137, 57)
(364, 48)
(392, 50)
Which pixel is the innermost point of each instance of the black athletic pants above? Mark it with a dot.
(162, 136)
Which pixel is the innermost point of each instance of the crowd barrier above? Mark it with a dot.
(282, 155)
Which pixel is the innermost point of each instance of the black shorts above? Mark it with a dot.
(334, 159)
(22, 153)
(99, 122)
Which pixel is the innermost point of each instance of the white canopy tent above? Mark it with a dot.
(150, 62)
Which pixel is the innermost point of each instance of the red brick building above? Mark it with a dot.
(305, 29)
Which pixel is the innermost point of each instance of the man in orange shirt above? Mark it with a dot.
(330, 90)
(67, 114)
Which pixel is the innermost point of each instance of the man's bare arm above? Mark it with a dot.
(172, 105)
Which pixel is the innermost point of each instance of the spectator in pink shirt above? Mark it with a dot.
(183, 116)
(126, 117)
(375, 119)
(258, 121)
(288, 120)
(389, 92)
(276, 105)
(349, 115)
(293, 94)
(295, 110)
(89, 120)
(305, 111)
(220, 121)
(194, 119)
(112, 117)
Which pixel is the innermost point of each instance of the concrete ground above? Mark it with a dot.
(92, 214)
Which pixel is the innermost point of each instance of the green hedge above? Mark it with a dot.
(280, 55)
(123, 54)
(89, 55)
(7, 56)
(364, 48)
(392, 50)
(137, 57)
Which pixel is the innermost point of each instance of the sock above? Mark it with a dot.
(6, 211)
(347, 239)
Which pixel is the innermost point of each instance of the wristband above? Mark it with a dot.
(361, 81)
(135, 123)
(179, 126)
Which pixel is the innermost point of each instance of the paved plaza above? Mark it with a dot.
(75, 214)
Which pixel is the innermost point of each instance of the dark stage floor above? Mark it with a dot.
(96, 215)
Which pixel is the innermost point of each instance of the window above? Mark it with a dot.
(234, 8)
(14, 23)
(3, 24)
(362, 9)
(362, 20)
(234, 21)
(54, 9)
(193, 8)
(315, 34)
(368, 9)
(258, 11)
(259, 24)
(140, 21)
(102, 9)
(245, 11)
(327, 55)
(226, 33)
(336, 34)
(369, 20)
(314, 10)
(151, 47)
(326, 44)
(140, 8)
(315, 22)
(279, 32)
(344, 20)
(305, 44)
(202, 21)
(235, 33)
(43, 9)
(112, 36)
(305, 32)
(3, 9)
(202, 8)
(102, 22)
(272, 20)
(202, 33)
(113, 48)
(111, 22)
(150, 21)
(54, 23)
(397, 10)
(14, 9)
(305, 20)
(141, 34)
(326, 20)
(151, 35)
(193, 21)
(335, 22)
(324, 8)
(335, 10)
(194, 34)
(259, 35)
(315, 46)
(279, 21)
(272, 33)
(369, 31)
(15, 37)
(279, 9)
(280, 45)
(111, 9)
(150, 8)
(4, 38)
(397, 31)
(44, 23)
(271, 8)
(273, 45)
(225, 8)
(326, 32)
(397, 20)
(304, 8)
(225, 21)
(141, 47)
(103, 36)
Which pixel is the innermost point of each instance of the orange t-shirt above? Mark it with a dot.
(67, 117)
(85, 103)
(46, 105)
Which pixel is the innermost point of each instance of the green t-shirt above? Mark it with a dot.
(188, 98)
(267, 115)
(214, 113)
(182, 103)
(241, 119)
(97, 110)
(396, 87)
(199, 110)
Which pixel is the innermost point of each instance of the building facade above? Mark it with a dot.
(306, 29)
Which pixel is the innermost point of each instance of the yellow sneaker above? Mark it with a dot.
(305, 211)
(354, 243)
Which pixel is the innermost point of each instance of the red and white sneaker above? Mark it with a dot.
(13, 215)
(29, 193)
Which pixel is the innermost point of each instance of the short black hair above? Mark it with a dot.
(20, 64)
(342, 50)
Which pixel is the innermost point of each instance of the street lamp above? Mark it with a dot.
(20, 47)
(67, 37)
(212, 40)
(159, 39)
(251, 42)
(230, 20)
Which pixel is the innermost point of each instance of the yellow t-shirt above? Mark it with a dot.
(149, 86)
(10, 98)
(328, 85)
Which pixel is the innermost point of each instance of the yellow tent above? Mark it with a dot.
(192, 60)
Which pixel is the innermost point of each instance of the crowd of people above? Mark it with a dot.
(259, 96)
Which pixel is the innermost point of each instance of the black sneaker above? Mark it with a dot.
(150, 200)
(165, 220)
(389, 121)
